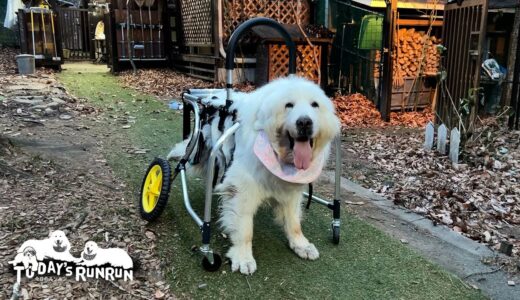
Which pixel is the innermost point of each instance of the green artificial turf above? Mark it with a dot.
(367, 264)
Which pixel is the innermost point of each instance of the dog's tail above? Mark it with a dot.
(178, 150)
(209, 135)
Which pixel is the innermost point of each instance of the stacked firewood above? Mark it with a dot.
(411, 48)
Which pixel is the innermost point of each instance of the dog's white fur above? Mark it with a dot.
(114, 256)
(27, 257)
(247, 183)
(45, 249)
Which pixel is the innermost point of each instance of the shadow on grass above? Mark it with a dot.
(367, 264)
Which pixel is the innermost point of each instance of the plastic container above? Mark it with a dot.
(25, 64)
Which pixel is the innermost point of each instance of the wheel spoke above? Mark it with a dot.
(157, 187)
(154, 177)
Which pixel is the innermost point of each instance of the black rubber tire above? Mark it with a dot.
(217, 262)
(164, 194)
(335, 234)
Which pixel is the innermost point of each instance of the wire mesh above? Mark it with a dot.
(357, 40)
(197, 22)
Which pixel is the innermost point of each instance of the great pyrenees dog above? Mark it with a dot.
(56, 246)
(287, 127)
(93, 255)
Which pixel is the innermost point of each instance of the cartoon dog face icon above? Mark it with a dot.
(90, 251)
(93, 255)
(56, 246)
(60, 242)
(27, 257)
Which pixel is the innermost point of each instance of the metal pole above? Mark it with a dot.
(187, 202)
(211, 169)
(32, 31)
(44, 46)
(338, 169)
(341, 56)
(54, 35)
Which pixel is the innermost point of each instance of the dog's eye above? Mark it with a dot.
(315, 104)
(289, 105)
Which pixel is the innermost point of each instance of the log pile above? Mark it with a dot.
(357, 111)
(411, 48)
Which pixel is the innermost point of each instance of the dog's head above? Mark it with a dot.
(29, 252)
(299, 120)
(60, 242)
(90, 250)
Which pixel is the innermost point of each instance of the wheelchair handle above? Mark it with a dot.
(239, 32)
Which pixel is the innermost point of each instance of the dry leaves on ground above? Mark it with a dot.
(479, 198)
(169, 83)
(54, 176)
(8, 61)
(358, 111)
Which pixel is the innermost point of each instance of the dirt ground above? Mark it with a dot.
(53, 175)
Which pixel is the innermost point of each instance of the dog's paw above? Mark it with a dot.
(307, 252)
(246, 264)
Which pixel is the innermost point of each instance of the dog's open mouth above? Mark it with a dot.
(302, 151)
(59, 248)
(89, 256)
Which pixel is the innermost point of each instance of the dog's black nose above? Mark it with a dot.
(304, 127)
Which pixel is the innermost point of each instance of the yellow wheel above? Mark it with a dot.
(155, 189)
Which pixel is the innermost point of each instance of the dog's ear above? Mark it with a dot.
(260, 120)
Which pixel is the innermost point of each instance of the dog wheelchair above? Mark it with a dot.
(159, 176)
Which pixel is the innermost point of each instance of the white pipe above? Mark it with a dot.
(326, 19)
(221, 38)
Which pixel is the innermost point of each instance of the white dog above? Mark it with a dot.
(297, 122)
(57, 247)
(92, 255)
(27, 257)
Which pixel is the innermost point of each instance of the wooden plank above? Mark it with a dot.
(197, 58)
(419, 22)
(212, 71)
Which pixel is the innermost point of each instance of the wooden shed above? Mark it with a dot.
(391, 72)
(206, 25)
(273, 56)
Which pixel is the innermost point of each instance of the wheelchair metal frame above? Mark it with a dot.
(194, 97)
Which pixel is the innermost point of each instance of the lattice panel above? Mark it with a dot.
(283, 11)
(197, 18)
(308, 61)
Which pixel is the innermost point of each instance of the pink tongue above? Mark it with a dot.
(302, 155)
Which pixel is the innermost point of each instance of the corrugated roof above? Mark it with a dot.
(414, 4)
(428, 4)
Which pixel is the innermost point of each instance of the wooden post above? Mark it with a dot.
(514, 119)
(386, 100)
(506, 96)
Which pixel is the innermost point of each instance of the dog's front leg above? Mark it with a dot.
(237, 220)
(289, 212)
